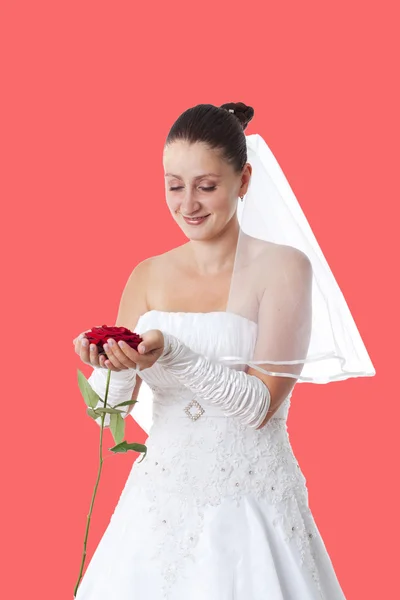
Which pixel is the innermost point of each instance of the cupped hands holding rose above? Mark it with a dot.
(115, 349)
(119, 351)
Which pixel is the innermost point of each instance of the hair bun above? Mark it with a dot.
(243, 112)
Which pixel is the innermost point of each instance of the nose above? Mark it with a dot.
(189, 204)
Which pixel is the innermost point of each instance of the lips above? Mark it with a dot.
(195, 220)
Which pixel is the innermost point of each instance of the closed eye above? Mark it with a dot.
(205, 189)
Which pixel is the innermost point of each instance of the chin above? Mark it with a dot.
(198, 235)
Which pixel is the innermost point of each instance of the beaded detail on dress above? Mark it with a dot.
(201, 461)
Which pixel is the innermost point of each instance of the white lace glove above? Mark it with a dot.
(235, 392)
(122, 384)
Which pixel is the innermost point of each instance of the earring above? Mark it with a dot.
(241, 197)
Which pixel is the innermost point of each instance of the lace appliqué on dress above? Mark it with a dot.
(191, 464)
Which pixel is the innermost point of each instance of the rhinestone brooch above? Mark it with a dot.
(196, 405)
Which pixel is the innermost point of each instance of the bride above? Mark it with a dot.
(218, 509)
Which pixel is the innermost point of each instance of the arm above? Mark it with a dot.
(284, 331)
(238, 394)
(284, 324)
(124, 384)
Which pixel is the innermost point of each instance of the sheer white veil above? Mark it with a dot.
(282, 281)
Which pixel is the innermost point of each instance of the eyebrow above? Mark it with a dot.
(198, 176)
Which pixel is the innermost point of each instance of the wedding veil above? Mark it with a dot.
(282, 282)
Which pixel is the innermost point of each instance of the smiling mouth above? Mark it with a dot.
(194, 220)
(198, 216)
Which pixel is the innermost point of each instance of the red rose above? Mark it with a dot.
(100, 335)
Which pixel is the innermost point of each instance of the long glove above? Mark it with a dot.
(122, 384)
(238, 394)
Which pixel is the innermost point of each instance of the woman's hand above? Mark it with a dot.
(149, 351)
(89, 354)
(120, 356)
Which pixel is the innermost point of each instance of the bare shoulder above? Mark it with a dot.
(292, 270)
(162, 266)
(141, 271)
(282, 254)
(133, 301)
(146, 278)
(294, 257)
(152, 266)
(275, 263)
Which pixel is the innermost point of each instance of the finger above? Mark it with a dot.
(140, 361)
(125, 354)
(103, 360)
(78, 343)
(147, 344)
(84, 350)
(151, 340)
(77, 338)
(109, 365)
(94, 355)
(109, 350)
(80, 337)
(104, 363)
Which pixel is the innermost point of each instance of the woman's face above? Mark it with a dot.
(199, 183)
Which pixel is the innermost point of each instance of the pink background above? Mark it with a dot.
(90, 90)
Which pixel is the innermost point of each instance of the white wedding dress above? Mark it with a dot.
(216, 510)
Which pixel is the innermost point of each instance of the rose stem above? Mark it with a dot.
(96, 486)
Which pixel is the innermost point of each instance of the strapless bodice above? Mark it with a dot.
(213, 334)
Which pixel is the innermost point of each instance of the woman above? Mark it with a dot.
(218, 509)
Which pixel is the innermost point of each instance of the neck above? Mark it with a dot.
(218, 254)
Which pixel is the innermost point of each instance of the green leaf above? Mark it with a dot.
(117, 426)
(126, 446)
(89, 395)
(92, 413)
(126, 403)
(101, 409)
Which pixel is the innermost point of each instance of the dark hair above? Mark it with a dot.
(217, 127)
